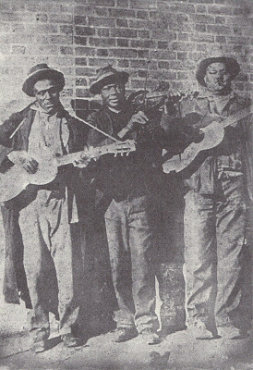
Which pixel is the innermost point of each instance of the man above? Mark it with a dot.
(131, 215)
(215, 207)
(51, 215)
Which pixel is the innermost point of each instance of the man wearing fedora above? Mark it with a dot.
(51, 215)
(217, 188)
(128, 219)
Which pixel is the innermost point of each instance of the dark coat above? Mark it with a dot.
(77, 182)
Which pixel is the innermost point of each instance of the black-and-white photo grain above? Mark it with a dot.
(126, 184)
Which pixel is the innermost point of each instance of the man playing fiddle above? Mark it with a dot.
(131, 215)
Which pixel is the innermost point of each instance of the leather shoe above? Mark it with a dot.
(124, 334)
(40, 345)
(150, 337)
(199, 330)
(70, 341)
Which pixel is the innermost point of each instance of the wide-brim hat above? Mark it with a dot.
(106, 76)
(232, 66)
(40, 72)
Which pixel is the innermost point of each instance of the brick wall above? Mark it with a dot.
(78, 36)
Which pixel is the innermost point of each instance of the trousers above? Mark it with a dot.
(48, 241)
(131, 246)
(214, 253)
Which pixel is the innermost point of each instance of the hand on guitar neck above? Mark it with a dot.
(42, 169)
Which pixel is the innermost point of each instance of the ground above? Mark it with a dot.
(176, 351)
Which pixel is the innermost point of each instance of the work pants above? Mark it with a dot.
(130, 235)
(47, 237)
(215, 246)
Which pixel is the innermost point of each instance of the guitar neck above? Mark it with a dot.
(237, 116)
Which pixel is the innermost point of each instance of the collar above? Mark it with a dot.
(59, 112)
(114, 110)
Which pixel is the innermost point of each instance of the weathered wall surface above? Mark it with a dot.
(78, 36)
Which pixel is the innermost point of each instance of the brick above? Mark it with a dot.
(123, 53)
(220, 20)
(182, 46)
(57, 39)
(121, 13)
(79, 40)
(200, 27)
(79, 19)
(93, 41)
(123, 43)
(183, 36)
(181, 55)
(143, 4)
(108, 22)
(238, 40)
(199, 18)
(41, 17)
(220, 39)
(82, 93)
(60, 18)
(102, 52)
(143, 44)
(15, 17)
(81, 82)
(66, 50)
(123, 32)
(84, 31)
(217, 29)
(102, 2)
(142, 14)
(67, 30)
(183, 8)
(81, 61)
(163, 65)
(121, 22)
(85, 51)
(104, 32)
(201, 1)
(144, 34)
(122, 3)
(84, 71)
(100, 62)
(215, 9)
(200, 9)
(101, 12)
(203, 38)
(123, 63)
(162, 44)
(136, 23)
(5, 5)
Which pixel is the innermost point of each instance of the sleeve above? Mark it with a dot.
(8, 127)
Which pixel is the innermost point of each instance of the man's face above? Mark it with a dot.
(47, 94)
(217, 78)
(113, 95)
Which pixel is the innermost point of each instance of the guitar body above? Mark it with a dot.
(213, 136)
(16, 179)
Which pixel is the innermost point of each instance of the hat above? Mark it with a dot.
(40, 72)
(105, 76)
(232, 66)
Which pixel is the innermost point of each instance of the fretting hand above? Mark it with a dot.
(22, 158)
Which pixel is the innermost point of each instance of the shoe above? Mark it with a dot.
(199, 331)
(70, 341)
(124, 334)
(231, 332)
(40, 345)
(150, 337)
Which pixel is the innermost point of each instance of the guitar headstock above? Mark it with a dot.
(120, 148)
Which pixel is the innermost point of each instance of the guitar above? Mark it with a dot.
(213, 136)
(16, 178)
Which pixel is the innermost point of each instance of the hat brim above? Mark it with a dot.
(231, 63)
(40, 75)
(96, 87)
